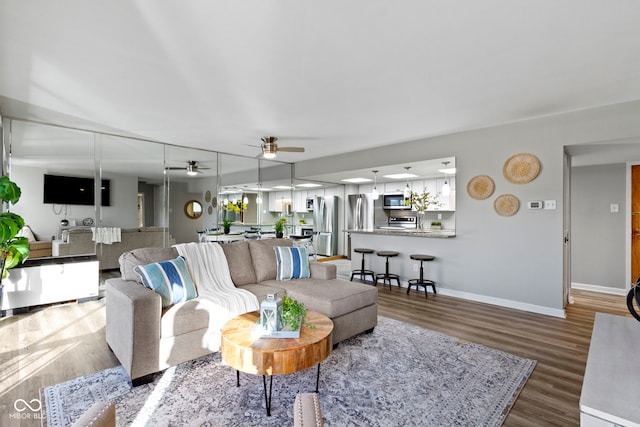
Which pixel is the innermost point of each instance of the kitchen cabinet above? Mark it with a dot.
(315, 192)
(300, 201)
(279, 200)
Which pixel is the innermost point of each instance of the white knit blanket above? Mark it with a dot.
(210, 273)
(106, 235)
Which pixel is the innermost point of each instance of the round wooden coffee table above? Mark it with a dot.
(275, 356)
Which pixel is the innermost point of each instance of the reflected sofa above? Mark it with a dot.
(79, 241)
(147, 338)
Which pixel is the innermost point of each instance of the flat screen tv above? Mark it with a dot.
(71, 190)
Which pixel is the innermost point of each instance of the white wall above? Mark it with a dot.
(517, 260)
(44, 219)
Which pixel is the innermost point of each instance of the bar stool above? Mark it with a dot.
(362, 272)
(422, 281)
(386, 275)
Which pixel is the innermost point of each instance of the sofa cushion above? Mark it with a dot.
(187, 316)
(130, 260)
(332, 297)
(292, 263)
(261, 291)
(263, 257)
(171, 279)
(239, 261)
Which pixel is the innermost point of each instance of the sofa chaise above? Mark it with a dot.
(147, 338)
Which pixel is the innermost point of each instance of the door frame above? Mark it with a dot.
(627, 240)
(566, 232)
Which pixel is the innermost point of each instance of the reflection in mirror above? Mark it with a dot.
(238, 191)
(191, 174)
(193, 209)
(36, 150)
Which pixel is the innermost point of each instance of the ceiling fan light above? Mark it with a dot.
(191, 170)
(269, 155)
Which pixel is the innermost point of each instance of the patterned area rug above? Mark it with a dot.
(400, 375)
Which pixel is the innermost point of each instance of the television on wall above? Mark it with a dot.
(71, 190)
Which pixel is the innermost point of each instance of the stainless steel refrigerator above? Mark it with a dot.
(360, 208)
(360, 215)
(325, 225)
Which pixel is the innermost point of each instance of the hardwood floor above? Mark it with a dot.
(62, 342)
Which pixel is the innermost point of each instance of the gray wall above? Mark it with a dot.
(598, 235)
(515, 261)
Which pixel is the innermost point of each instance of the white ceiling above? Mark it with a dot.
(331, 76)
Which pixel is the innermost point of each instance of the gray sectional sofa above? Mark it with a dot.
(147, 339)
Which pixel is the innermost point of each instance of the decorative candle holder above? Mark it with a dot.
(271, 316)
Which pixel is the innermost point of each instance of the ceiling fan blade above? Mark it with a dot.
(292, 149)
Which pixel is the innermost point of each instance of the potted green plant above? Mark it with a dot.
(421, 203)
(279, 227)
(293, 313)
(436, 225)
(226, 225)
(13, 250)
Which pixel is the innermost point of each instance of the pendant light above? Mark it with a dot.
(446, 188)
(374, 194)
(407, 189)
(245, 200)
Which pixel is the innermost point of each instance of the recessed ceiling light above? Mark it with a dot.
(309, 185)
(401, 176)
(450, 171)
(356, 180)
(283, 187)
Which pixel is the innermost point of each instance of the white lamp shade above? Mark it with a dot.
(374, 194)
(446, 189)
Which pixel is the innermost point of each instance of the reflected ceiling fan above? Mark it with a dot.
(270, 148)
(192, 168)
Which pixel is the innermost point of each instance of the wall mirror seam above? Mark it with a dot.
(158, 194)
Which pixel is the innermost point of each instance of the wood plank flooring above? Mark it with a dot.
(62, 342)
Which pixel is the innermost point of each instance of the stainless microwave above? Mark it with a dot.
(395, 201)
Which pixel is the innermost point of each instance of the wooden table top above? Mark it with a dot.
(275, 356)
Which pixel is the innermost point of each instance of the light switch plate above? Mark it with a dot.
(549, 204)
(614, 207)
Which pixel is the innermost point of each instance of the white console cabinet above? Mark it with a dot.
(612, 377)
(50, 281)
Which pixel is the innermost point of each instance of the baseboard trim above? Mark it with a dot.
(517, 305)
(501, 302)
(600, 289)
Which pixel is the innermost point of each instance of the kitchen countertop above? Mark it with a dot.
(441, 234)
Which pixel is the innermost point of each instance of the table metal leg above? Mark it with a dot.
(267, 399)
(318, 378)
(237, 378)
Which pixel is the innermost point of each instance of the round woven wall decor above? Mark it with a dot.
(506, 205)
(521, 168)
(480, 187)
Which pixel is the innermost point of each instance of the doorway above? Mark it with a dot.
(140, 210)
(635, 222)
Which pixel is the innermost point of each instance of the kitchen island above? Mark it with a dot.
(406, 242)
(389, 231)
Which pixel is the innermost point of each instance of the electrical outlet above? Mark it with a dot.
(416, 267)
(549, 204)
(439, 216)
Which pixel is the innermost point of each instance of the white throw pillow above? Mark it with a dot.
(26, 232)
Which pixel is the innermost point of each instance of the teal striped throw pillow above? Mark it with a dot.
(171, 279)
(293, 263)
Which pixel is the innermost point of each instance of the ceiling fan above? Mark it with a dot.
(270, 148)
(192, 168)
